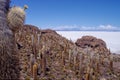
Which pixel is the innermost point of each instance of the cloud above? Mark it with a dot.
(66, 27)
(86, 28)
(107, 27)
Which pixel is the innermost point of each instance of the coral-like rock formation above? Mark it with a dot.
(92, 42)
(48, 31)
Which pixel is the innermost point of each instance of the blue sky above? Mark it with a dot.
(72, 14)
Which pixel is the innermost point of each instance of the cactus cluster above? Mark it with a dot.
(54, 58)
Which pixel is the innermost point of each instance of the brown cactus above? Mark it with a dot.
(43, 61)
(63, 58)
(87, 75)
(35, 67)
(111, 62)
(31, 63)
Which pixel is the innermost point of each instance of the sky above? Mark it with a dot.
(72, 14)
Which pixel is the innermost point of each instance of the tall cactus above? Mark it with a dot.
(35, 67)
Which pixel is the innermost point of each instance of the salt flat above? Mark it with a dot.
(112, 39)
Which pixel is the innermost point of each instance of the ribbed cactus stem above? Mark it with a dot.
(70, 53)
(38, 45)
(91, 73)
(39, 55)
(111, 62)
(39, 38)
(102, 59)
(74, 64)
(91, 60)
(63, 58)
(87, 73)
(34, 46)
(80, 63)
(44, 64)
(32, 39)
(86, 76)
(93, 77)
(35, 67)
(103, 79)
(31, 63)
(43, 61)
(98, 68)
(97, 63)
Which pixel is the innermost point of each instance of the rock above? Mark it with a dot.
(92, 42)
(48, 31)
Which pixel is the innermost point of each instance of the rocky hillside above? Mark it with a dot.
(46, 55)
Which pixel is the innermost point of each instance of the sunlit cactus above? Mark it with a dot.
(43, 60)
(87, 73)
(63, 58)
(16, 18)
(32, 60)
(34, 47)
(103, 79)
(74, 62)
(70, 53)
(97, 63)
(35, 67)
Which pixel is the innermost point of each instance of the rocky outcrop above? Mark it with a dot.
(48, 31)
(92, 42)
(44, 54)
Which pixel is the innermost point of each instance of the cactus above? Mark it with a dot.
(111, 62)
(38, 38)
(16, 18)
(34, 47)
(35, 67)
(87, 73)
(32, 60)
(70, 53)
(74, 63)
(63, 59)
(32, 39)
(43, 61)
(93, 77)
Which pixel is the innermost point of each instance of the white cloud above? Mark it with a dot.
(77, 27)
(66, 27)
(107, 27)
